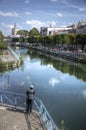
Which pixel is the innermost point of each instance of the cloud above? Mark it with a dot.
(28, 13)
(35, 23)
(82, 9)
(27, 1)
(53, 81)
(62, 1)
(50, 65)
(10, 26)
(7, 25)
(9, 14)
(38, 24)
(53, 0)
(59, 14)
(64, 26)
(84, 93)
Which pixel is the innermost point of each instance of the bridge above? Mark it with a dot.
(13, 116)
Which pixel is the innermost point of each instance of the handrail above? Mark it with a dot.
(19, 101)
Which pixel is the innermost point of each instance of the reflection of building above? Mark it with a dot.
(81, 27)
(14, 30)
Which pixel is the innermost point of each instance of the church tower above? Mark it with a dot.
(14, 30)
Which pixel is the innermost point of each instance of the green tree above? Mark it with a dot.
(72, 39)
(34, 32)
(1, 37)
(23, 32)
(81, 40)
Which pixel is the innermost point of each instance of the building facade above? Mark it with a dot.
(81, 27)
(48, 31)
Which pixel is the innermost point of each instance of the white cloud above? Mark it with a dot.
(35, 23)
(50, 65)
(38, 24)
(62, 1)
(7, 25)
(22, 83)
(84, 93)
(28, 13)
(53, 81)
(10, 14)
(27, 1)
(59, 14)
(53, 0)
(7, 28)
(53, 23)
(82, 9)
(64, 26)
(10, 26)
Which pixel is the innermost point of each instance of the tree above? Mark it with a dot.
(81, 40)
(72, 39)
(1, 37)
(23, 32)
(34, 32)
(33, 35)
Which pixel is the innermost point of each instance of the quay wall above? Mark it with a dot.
(71, 56)
(9, 59)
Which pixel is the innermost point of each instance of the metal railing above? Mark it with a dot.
(17, 100)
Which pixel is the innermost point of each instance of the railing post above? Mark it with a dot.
(15, 102)
(49, 125)
(44, 116)
(1, 98)
(41, 109)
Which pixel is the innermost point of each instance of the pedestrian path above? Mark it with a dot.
(17, 119)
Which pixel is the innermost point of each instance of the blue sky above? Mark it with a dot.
(37, 13)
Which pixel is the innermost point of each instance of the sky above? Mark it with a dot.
(40, 13)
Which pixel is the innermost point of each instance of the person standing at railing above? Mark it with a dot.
(29, 100)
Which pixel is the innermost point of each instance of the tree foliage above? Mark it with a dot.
(23, 32)
(34, 32)
(1, 37)
(3, 46)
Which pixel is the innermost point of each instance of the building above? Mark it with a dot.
(48, 31)
(14, 30)
(81, 27)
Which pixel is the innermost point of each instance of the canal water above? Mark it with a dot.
(61, 85)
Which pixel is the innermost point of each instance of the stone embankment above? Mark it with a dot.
(68, 55)
(9, 59)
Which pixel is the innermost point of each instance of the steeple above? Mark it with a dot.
(15, 25)
(14, 30)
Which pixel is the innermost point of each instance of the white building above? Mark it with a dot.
(81, 27)
(48, 31)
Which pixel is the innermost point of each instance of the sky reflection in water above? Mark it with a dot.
(63, 94)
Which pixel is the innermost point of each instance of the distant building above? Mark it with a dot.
(14, 30)
(48, 31)
(81, 27)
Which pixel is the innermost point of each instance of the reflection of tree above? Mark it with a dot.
(78, 70)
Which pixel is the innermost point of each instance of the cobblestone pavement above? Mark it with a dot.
(13, 119)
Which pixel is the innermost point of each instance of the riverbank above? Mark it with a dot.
(9, 59)
(68, 55)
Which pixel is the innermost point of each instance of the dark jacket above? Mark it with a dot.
(30, 94)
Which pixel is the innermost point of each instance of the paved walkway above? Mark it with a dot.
(13, 119)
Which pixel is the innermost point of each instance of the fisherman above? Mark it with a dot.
(29, 100)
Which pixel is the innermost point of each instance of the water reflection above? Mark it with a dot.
(61, 85)
(76, 69)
